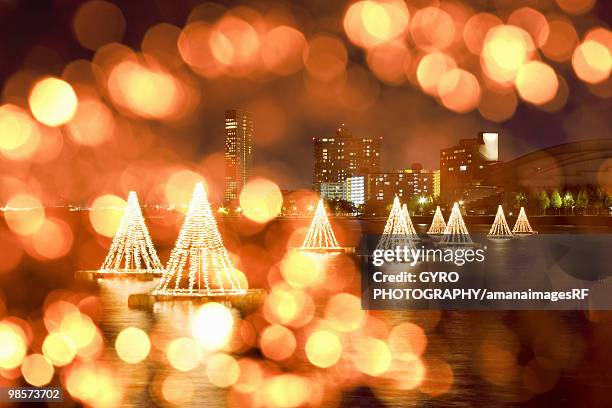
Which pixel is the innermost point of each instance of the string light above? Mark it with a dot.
(199, 247)
(500, 226)
(522, 226)
(132, 250)
(396, 232)
(456, 233)
(438, 225)
(320, 236)
(411, 229)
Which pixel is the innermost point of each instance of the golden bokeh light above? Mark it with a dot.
(261, 200)
(37, 370)
(25, 214)
(301, 269)
(13, 348)
(323, 348)
(459, 90)
(79, 328)
(592, 62)
(222, 370)
(132, 345)
(59, 349)
(179, 188)
(177, 389)
(184, 353)
(53, 101)
(286, 391)
(537, 83)
(53, 239)
(144, 90)
(95, 385)
(407, 372)
(506, 48)
(372, 356)
(344, 312)
(289, 307)
(370, 23)
(430, 70)
(277, 342)
(18, 130)
(106, 214)
(212, 315)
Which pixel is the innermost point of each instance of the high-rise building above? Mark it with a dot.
(238, 151)
(338, 157)
(462, 167)
(405, 183)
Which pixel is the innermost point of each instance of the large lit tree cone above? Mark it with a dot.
(411, 229)
(438, 225)
(199, 264)
(522, 226)
(320, 236)
(500, 228)
(396, 232)
(132, 251)
(456, 233)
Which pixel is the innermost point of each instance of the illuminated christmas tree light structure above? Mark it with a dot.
(199, 264)
(132, 251)
(522, 226)
(500, 228)
(320, 236)
(456, 233)
(438, 225)
(396, 232)
(411, 230)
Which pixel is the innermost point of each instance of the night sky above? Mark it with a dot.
(37, 35)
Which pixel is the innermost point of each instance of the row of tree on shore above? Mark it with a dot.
(581, 201)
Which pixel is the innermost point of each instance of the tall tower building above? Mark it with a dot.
(341, 156)
(238, 151)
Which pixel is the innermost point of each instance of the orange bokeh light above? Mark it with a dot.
(432, 29)
(24, 214)
(561, 40)
(53, 239)
(459, 90)
(283, 50)
(277, 342)
(323, 348)
(93, 123)
(592, 62)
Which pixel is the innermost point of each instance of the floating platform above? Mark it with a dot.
(246, 302)
(140, 275)
(500, 237)
(525, 234)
